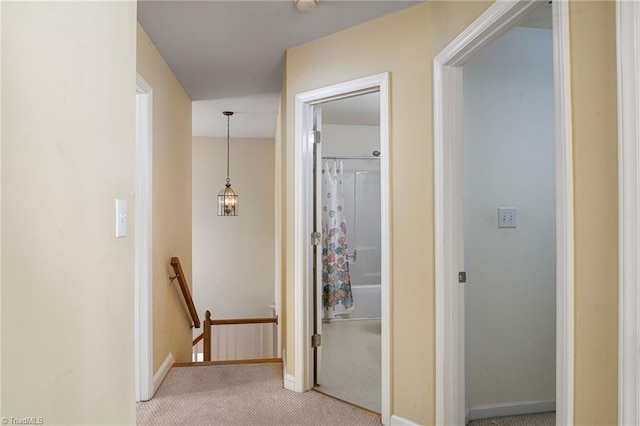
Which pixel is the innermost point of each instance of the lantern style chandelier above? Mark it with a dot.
(227, 198)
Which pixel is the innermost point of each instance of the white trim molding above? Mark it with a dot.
(515, 408)
(500, 17)
(401, 421)
(303, 192)
(143, 210)
(565, 291)
(289, 382)
(628, 57)
(162, 372)
(278, 222)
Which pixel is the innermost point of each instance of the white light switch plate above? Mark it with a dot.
(121, 218)
(507, 217)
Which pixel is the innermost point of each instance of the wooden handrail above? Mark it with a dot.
(273, 320)
(197, 339)
(177, 268)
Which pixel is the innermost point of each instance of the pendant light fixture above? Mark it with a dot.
(227, 198)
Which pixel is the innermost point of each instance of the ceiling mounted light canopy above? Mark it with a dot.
(305, 5)
(227, 198)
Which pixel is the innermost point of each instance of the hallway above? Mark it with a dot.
(245, 394)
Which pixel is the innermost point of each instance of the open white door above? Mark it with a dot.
(316, 339)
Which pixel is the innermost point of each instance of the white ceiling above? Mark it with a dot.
(228, 55)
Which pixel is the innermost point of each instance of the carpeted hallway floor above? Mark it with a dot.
(247, 394)
(252, 395)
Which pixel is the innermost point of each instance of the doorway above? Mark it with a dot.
(311, 313)
(509, 225)
(348, 361)
(448, 169)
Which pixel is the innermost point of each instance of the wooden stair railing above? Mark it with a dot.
(177, 268)
(206, 336)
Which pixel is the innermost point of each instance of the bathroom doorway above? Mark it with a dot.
(311, 109)
(348, 361)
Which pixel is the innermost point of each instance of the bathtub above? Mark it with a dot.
(366, 301)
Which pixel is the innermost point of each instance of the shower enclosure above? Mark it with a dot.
(361, 190)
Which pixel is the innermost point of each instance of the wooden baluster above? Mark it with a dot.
(207, 336)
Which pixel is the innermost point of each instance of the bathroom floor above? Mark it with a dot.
(351, 362)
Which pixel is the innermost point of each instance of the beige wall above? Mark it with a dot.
(593, 54)
(233, 262)
(405, 43)
(68, 135)
(171, 231)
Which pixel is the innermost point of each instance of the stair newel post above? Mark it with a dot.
(207, 336)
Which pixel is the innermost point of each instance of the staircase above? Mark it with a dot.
(262, 329)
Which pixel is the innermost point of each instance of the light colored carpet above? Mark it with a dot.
(245, 394)
(540, 419)
(351, 362)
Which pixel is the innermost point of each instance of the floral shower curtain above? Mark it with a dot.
(336, 283)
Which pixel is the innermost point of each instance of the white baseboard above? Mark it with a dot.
(401, 421)
(515, 408)
(289, 382)
(159, 376)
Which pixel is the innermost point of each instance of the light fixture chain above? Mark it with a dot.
(228, 149)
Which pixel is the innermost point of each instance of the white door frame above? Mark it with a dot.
(448, 171)
(628, 35)
(303, 193)
(143, 289)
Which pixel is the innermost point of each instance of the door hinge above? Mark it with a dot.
(316, 137)
(462, 277)
(316, 237)
(316, 340)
